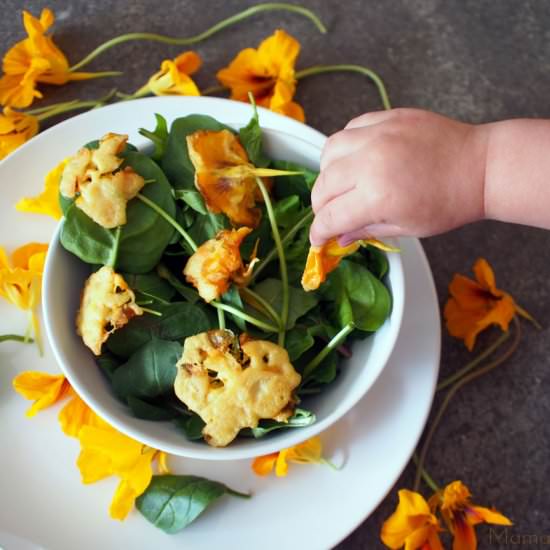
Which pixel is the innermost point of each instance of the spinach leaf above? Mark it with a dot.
(147, 411)
(187, 292)
(178, 321)
(175, 162)
(356, 296)
(150, 371)
(376, 260)
(298, 184)
(297, 341)
(159, 136)
(300, 301)
(288, 211)
(108, 363)
(191, 425)
(299, 419)
(150, 285)
(193, 199)
(172, 502)
(207, 227)
(233, 298)
(144, 236)
(251, 139)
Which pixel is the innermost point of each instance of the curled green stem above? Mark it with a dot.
(452, 392)
(169, 219)
(15, 338)
(56, 109)
(428, 479)
(254, 299)
(186, 41)
(332, 345)
(245, 316)
(282, 259)
(378, 82)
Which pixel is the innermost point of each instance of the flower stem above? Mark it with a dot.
(428, 479)
(234, 493)
(43, 113)
(213, 90)
(186, 41)
(152, 311)
(15, 338)
(451, 393)
(332, 345)
(282, 259)
(254, 299)
(249, 318)
(169, 219)
(289, 235)
(319, 69)
(474, 363)
(221, 319)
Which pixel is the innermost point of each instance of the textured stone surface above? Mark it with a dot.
(476, 60)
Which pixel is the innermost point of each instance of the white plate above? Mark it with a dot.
(314, 507)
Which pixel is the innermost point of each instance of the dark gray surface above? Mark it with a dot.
(474, 60)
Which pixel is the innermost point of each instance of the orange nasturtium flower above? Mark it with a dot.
(217, 262)
(46, 202)
(32, 60)
(461, 515)
(412, 525)
(321, 260)
(267, 72)
(308, 452)
(475, 305)
(15, 129)
(173, 78)
(103, 450)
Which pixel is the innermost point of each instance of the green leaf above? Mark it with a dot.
(376, 261)
(300, 185)
(233, 298)
(171, 502)
(146, 411)
(175, 162)
(288, 211)
(144, 236)
(326, 371)
(108, 363)
(159, 136)
(297, 341)
(300, 301)
(193, 199)
(356, 296)
(150, 285)
(178, 321)
(191, 425)
(150, 371)
(207, 227)
(300, 419)
(251, 139)
(188, 293)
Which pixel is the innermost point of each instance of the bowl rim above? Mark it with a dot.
(286, 438)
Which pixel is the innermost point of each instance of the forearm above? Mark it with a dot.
(517, 172)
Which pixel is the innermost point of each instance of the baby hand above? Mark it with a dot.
(396, 173)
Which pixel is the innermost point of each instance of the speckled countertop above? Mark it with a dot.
(475, 60)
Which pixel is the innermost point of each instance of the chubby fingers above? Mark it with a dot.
(333, 181)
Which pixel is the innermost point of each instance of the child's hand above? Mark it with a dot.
(399, 172)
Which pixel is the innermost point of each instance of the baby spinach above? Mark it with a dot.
(150, 371)
(159, 136)
(297, 341)
(172, 502)
(297, 184)
(150, 285)
(356, 296)
(193, 199)
(175, 162)
(147, 411)
(191, 426)
(207, 227)
(178, 321)
(251, 138)
(299, 419)
(144, 236)
(108, 363)
(376, 261)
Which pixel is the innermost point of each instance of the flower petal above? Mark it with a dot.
(44, 388)
(75, 415)
(486, 515)
(485, 276)
(93, 465)
(263, 465)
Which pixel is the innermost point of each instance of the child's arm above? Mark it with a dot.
(412, 172)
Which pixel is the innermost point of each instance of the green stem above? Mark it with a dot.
(452, 392)
(213, 90)
(289, 235)
(114, 252)
(152, 311)
(234, 493)
(282, 259)
(186, 41)
(238, 313)
(428, 479)
(319, 69)
(221, 319)
(332, 345)
(75, 105)
(267, 307)
(15, 338)
(169, 219)
(474, 363)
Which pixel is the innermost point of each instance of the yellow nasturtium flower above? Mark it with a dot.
(32, 60)
(15, 129)
(174, 76)
(46, 202)
(267, 72)
(103, 450)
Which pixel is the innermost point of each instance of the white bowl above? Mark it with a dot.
(64, 276)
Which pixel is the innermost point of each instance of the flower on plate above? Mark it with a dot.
(32, 60)
(321, 260)
(412, 525)
(103, 450)
(267, 72)
(217, 262)
(308, 452)
(46, 202)
(174, 78)
(475, 305)
(21, 279)
(461, 515)
(15, 129)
